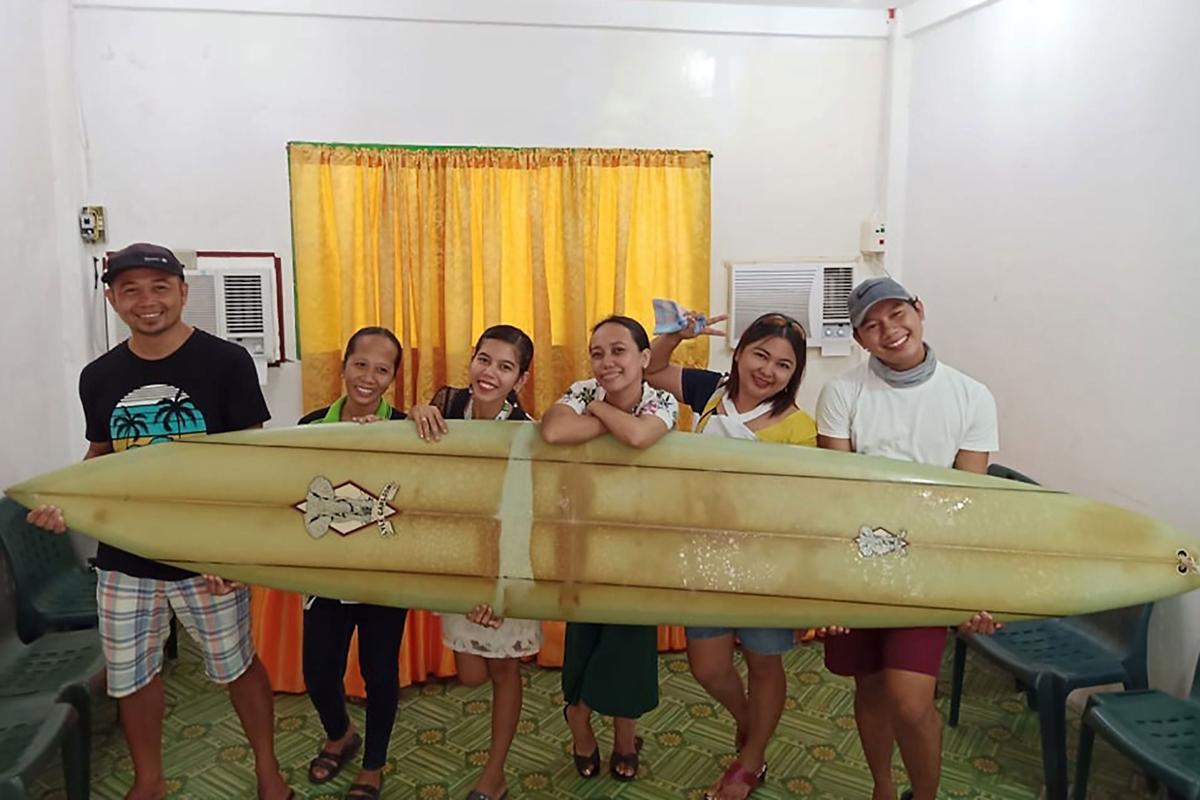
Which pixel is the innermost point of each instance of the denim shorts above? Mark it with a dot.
(763, 641)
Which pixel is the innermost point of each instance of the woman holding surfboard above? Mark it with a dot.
(756, 401)
(486, 646)
(369, 367)
(611, 669)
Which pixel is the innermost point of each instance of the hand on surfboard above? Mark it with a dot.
(829, 631)
(429, 422)
(689, 331)
(982, 623)
(482, 614)
(48, 518)
(218, 585)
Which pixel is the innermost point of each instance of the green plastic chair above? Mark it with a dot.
(1051, 658)
(54, 591)
(1157, 731)
(66, 667)
(31, 730)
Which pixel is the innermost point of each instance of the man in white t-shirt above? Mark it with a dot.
(902, 404)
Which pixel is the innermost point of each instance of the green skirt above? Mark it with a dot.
(612, 668)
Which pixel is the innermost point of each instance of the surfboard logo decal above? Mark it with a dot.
(1187, 563)
(876, 542)
(346, 508)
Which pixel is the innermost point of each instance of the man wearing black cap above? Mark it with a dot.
(169, 381)
(904, 404)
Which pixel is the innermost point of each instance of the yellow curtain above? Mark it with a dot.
(438, 244)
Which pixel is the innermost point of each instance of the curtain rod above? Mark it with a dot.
(378, 146)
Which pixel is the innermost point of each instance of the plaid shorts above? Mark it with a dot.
(134, 622)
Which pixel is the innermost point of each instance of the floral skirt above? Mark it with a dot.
(515, 638)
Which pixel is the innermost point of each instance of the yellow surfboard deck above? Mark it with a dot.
(694, 530)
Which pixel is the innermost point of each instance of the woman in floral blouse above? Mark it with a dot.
(611, 669)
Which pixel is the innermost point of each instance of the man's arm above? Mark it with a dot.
(972, 461)
(97, 449)
(834, 443)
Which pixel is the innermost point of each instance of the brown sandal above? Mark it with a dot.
(364, 791)
(625, 760)
(332, 763)
(587, 766)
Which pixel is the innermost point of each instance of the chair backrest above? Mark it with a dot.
(1126, 632)
(1196, 682)
(34, 556)
(1123, 630)
(1008, 473)
(8, 603)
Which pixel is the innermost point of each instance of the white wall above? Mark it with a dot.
(188, 113)
(1053, 225)
(42, 317)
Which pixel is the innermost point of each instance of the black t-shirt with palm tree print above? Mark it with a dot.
(208, 385)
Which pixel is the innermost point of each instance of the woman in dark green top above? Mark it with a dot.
(369, 367)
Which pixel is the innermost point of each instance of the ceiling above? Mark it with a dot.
(861, 4)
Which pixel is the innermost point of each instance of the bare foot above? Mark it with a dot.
(275, 787)
(581, 731)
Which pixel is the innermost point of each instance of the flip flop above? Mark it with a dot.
(332, 762)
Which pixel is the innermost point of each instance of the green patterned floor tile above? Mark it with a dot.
(442, 733)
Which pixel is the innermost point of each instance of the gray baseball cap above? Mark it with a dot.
(872, 291)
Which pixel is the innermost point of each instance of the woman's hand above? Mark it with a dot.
(430, 425)
(829, 631)
(689, 331)
(219, 586)
(482, 615)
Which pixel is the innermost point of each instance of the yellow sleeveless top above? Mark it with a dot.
(796, 428)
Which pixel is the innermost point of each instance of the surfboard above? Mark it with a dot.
(694, 530)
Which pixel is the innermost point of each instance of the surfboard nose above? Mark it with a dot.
(24, 493)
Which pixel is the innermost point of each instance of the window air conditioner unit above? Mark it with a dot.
(816, 293)
(235, 303)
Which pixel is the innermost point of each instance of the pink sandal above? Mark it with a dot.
(738, 774)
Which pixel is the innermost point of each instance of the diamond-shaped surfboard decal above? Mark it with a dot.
(875, 542)
(345, 508)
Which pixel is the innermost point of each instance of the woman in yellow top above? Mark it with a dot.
(755, 401)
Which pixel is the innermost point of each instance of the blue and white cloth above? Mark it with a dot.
(671, 317)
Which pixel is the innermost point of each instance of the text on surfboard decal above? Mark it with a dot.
(345, 508)
(875, 542)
